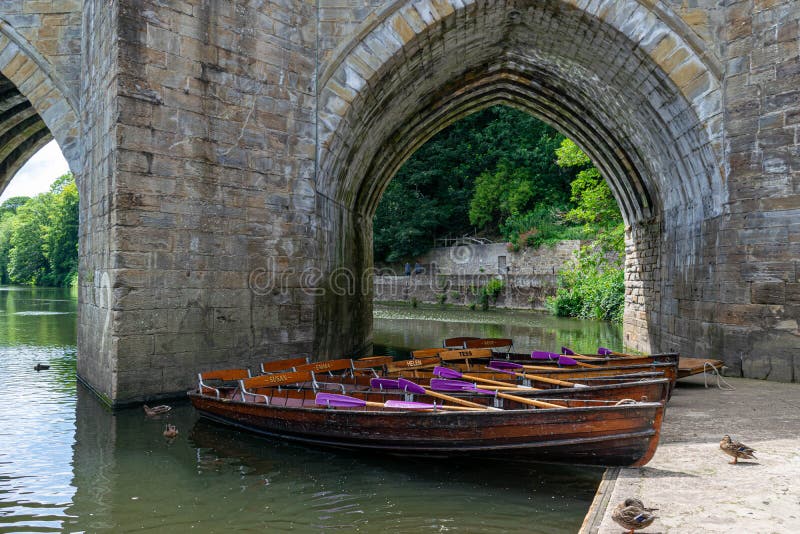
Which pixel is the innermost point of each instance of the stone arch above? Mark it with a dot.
(636, 92)
(35, 106)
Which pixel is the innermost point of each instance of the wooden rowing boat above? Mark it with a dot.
(687, 366)
(583, 432)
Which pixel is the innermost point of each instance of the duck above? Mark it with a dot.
(41, 367)
(631, 516)
(156, 410)
(170, 432)
(632, 501)
(737, 449)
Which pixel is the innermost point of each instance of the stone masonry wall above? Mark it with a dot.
(477, 259)
(452, 275)
(757, 245)
(520, 291)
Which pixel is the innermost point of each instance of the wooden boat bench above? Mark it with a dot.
(219, 378)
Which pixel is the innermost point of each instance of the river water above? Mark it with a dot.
(69, 465)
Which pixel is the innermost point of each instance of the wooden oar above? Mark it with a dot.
(608, 352)
(344, 401)
(413, 387)
(568, 352)
(446, 372)
(504, 367)
(457, 385)
(558, 358)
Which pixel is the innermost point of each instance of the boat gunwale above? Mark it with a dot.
(429, 413)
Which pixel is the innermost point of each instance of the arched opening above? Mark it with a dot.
(626, 88)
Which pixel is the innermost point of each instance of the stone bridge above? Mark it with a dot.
(230, 155)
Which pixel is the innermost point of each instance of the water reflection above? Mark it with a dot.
(37, 408)
(400, 328)
(68, 464)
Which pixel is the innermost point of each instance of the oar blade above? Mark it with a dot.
(602, 351)
(410, 387)
(384, 383)
(446, 372)
(338, 401)
(565, 360)
(543, 355)
(441, 384)
(568, 352)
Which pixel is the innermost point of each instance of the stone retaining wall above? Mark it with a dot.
(520, 291)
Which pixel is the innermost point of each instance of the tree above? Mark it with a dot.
(39, 236)
(12, 204)
(595, 204)
(434, 193)
(27, 263)
(60, 240)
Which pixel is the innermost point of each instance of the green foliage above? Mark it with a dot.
(543, 225)
(13, 203)
(61, 237)
(434, 193)
(488, 294)
(39, 236)
(595, 204)
(521, 179)
(594, 286)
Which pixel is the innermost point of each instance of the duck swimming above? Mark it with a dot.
(156, 410)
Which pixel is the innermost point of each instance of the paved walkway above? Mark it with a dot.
(689, 478)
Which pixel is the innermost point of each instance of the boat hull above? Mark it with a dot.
(604, 435)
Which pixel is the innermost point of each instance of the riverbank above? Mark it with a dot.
(690, 480)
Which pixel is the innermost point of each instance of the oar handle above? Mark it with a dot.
(460, 408)
(495, 382)
(578, 356)
(438, 407)
(455, 400)
(532, 402)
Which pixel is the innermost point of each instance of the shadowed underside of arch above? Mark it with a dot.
(22, 131)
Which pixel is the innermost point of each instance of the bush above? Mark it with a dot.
(489, 293)
(543, 225)
(594, 288)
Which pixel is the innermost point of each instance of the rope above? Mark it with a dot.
(625, 401)
(720, 380)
